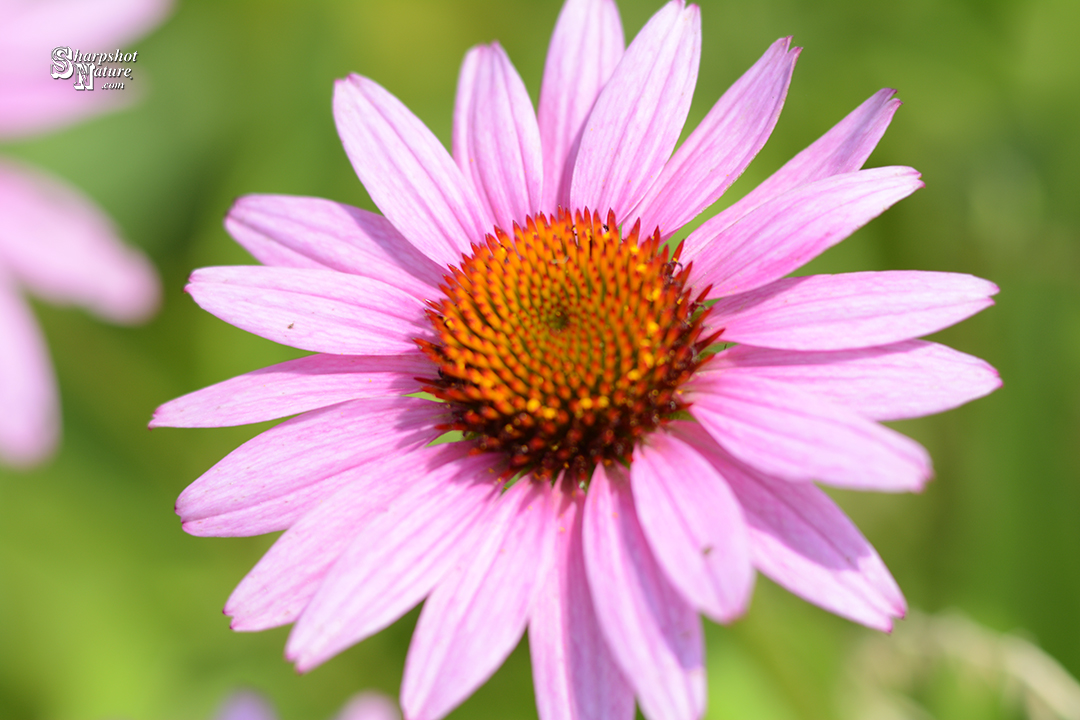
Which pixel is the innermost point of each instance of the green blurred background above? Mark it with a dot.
(108, 610)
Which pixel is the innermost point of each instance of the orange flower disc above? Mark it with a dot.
(564, 345)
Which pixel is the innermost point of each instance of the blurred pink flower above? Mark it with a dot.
(53, 240)
(617, 477)
(363, 706)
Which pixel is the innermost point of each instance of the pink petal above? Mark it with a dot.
(463, 108)
(654, 634)
(720, 148)
(574, 673)
(890, 382)
(30, 420)
(283, 582)
(501, 150)
(318, 310)
(397, 558)
(246, 706)
(792, 229)
(853, 310)
(804, 542)
(694, 526)
(369, 706)
(31, 101)
(275, 477)
(784, 431)
(61, 246)
(636, 121)
(293, 387)
(305, 232)
(586, 46)
(843, 149)
(407, 172)
(477, 613)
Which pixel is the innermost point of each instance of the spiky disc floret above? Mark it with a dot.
(562, 346)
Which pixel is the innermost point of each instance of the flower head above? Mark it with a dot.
(54, 241)
(641, 425)
(569, 353)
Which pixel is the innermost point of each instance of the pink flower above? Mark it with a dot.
(53, 240)
(617, 476)
(363, 706)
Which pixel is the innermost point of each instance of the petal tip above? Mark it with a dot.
(923, 480)
(302, 665)
(160, 418)
(351, 82)
(730, 615)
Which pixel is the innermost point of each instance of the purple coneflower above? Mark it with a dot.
(617, 475)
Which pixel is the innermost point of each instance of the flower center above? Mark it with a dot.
(562, 346)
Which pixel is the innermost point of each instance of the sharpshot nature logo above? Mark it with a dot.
(86, 66)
